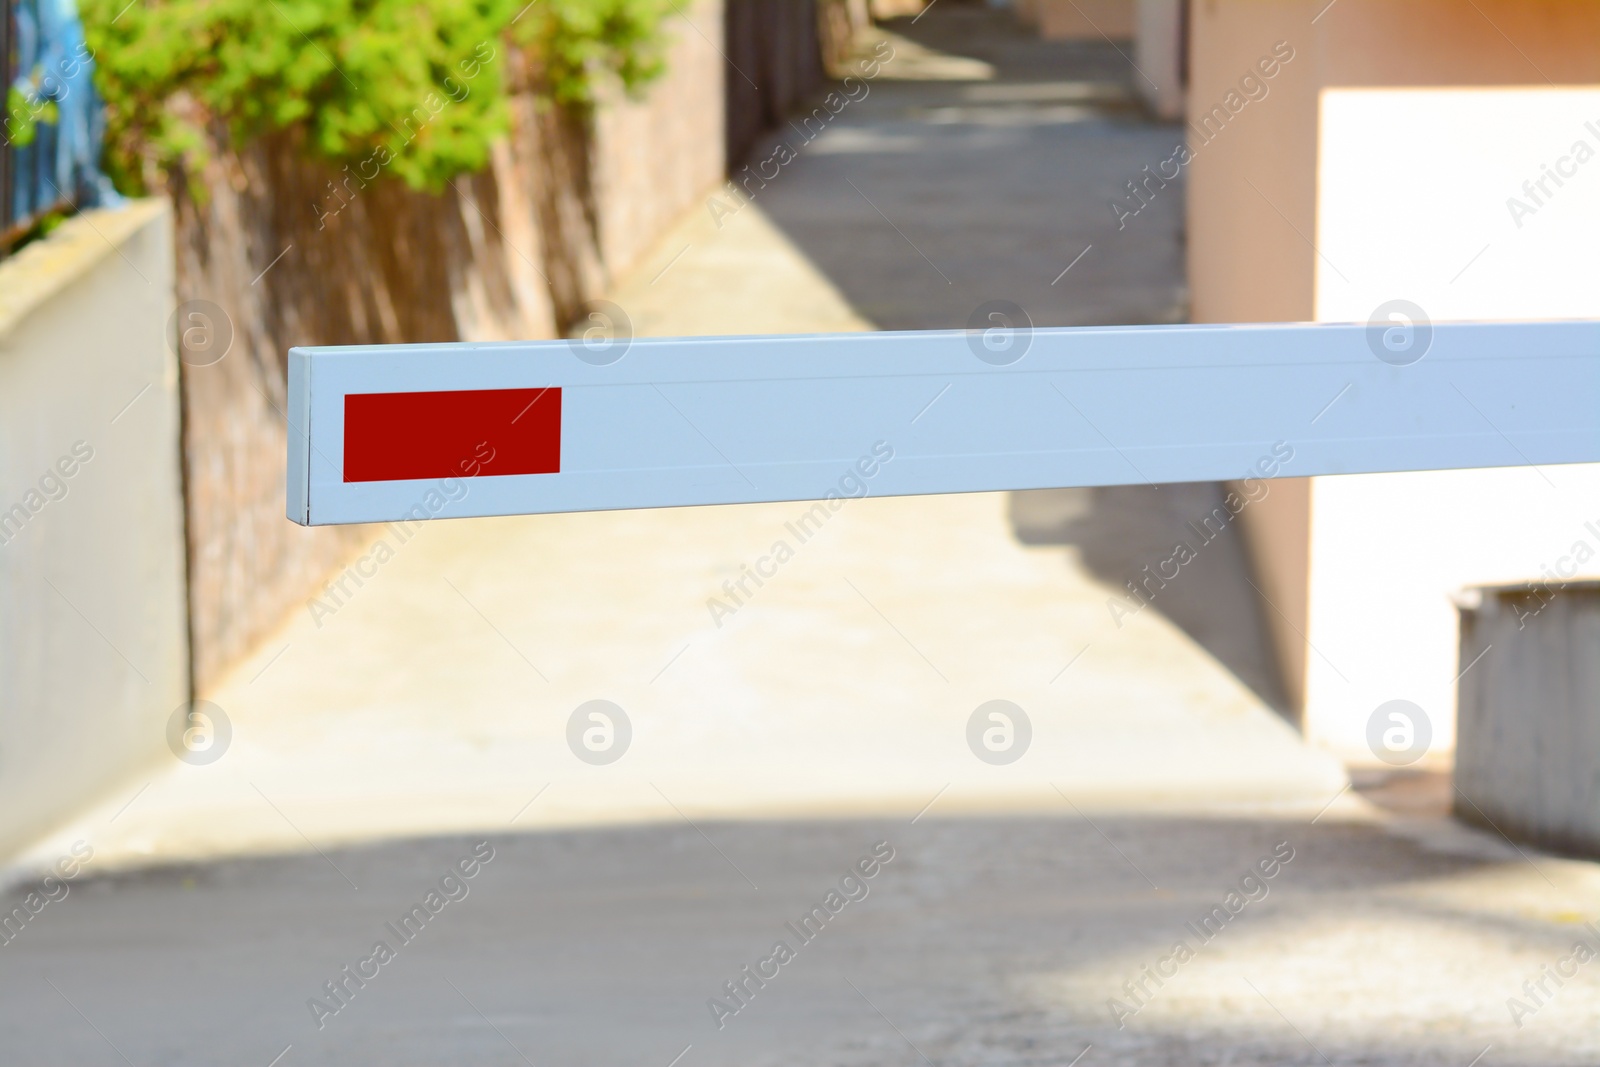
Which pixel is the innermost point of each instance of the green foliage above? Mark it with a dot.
(416, 89)
(24, 112)
(573, 39)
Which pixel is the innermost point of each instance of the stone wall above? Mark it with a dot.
(775, 55)
(656, 156)
(270, 254)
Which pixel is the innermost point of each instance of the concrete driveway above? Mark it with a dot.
(399, 732)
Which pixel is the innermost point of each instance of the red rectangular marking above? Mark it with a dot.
(464, 433)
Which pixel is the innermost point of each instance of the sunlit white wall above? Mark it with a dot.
(1421, 196)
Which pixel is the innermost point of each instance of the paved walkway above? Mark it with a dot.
(374, 747)
(435, 698)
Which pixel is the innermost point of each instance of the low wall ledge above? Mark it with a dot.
(46, 267)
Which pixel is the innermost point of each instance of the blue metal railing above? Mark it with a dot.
(50, 139)
(8, 67)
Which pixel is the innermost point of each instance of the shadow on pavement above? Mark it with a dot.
(1128, 533)
(983, 169)
(984, 940)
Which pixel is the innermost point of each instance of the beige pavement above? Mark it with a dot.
(435, 697)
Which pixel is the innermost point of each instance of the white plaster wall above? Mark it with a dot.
(93, 645)
(1413, 187)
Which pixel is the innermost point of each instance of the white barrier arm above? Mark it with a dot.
(380, 433)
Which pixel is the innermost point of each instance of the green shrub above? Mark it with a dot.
(572, 39)
(420, 86)
(24, 112)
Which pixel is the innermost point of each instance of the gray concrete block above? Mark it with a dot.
(1528, 734)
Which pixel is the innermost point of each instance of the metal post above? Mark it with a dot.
(8, 74)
